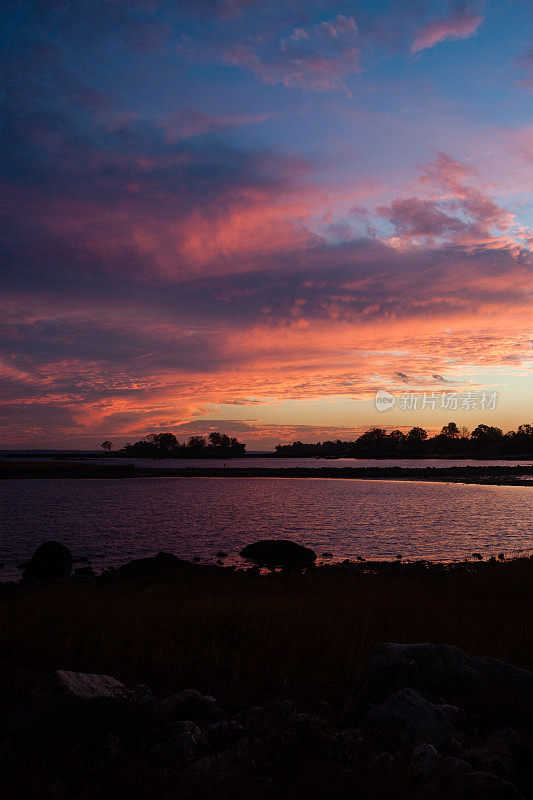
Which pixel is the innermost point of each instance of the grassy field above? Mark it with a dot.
(257, 638)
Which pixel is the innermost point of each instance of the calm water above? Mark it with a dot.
(112, 521)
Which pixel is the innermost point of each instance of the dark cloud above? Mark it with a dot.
(462, 212)
(402, 376)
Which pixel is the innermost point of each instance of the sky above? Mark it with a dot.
(252, 216)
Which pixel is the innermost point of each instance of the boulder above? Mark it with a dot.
(66, 691)
(455, 766)
(51, 563)
(497, 754)
(183, 741)
(261, 719)
(223, 733)
(278, 552)
(163, 565)
(405, 719)
(487, 689)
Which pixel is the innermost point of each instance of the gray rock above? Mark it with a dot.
(191, 705)
(222, 733)
(489, 689)
(143, 694)
(424, 760)
(267, 717)
(86, 707)
(406, 719)
(343, 747)
(497, 754)
(183, 741)
(66, 691)
(231, 758)
(454, 765)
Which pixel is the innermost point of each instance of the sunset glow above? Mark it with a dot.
(252, 216)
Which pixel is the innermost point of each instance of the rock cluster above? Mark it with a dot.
(422, 721)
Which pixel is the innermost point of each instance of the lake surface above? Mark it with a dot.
(113, 521)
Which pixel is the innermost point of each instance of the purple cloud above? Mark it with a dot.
(416, 217)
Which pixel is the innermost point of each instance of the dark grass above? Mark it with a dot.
(259, 638)
(489, 475)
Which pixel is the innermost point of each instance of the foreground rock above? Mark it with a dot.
(278, 552)
(191, 705)
(487, 690)
(88, 707)
(67, 691)
(406, 719)
(51, 563)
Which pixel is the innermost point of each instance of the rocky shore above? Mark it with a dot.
(422, 721)
(53, 563)
(169, 679)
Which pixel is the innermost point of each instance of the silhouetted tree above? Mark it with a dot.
(487, 440)
(451, 431)
(373, 442)
(484, 442)
(417, 435)
(107, 445)
(398, 442)
(165, 445)
(196, 445)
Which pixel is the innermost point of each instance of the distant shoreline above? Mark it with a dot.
(482, 475)
(59, 455)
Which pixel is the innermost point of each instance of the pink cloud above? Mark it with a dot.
(316, 59)
(460, 25)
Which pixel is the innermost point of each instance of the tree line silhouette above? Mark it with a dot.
(485, 441)
(165, 445)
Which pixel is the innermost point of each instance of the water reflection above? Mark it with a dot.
(112, 521)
